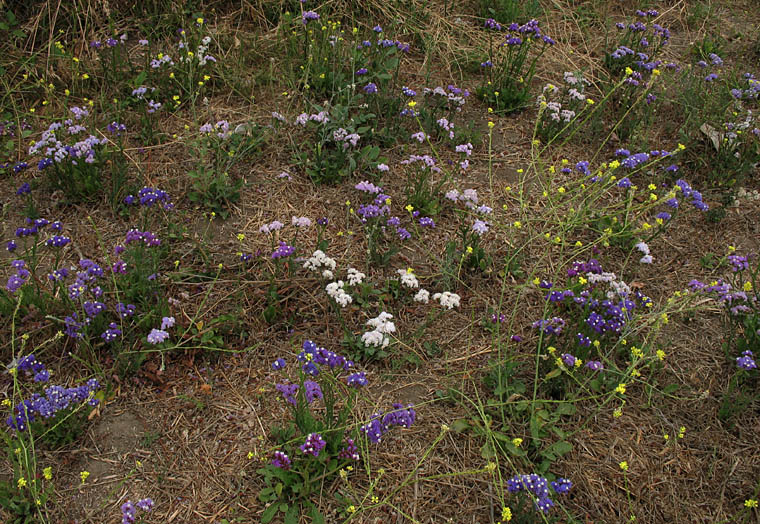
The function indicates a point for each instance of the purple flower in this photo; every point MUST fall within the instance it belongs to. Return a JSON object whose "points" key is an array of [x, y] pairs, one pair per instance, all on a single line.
{"points": [[156, 336], [313, 391], [594, 365], [288, 392], [480, 227], [370, 88], [357, 379], [280, 460], [313, 445], [112, 333], [308, 15], [278, 364], [167, 322], [24, 189], [746, 361], [349, 451], [362, 71], [568, 359], [283, 250]]}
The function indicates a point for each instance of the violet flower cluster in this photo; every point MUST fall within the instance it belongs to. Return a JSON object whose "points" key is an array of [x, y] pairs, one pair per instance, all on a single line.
{"points": [[129, 510], [538, 486], [56, 398], [381, 423]]}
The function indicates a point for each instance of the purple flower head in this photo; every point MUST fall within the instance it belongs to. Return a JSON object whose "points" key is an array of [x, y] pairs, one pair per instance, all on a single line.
{"points": [[313, 445], [594, 365], [746, 361], [357, 379], [307, 16], [283, 250], [568, 359], [157, 336], [278, 364], [280, 460]]}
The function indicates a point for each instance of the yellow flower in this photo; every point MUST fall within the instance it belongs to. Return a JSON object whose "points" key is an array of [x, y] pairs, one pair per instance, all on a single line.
{"points": [[620, 388], [628, 71], [623, 465], [560, 190], [83, 475], [750, 503], [590, 101], [375, 499], [409, 208], [517, 224], [21, 482], [666, 437], [491, 125], [578, 243], [469, 250], [506, 514], [517, 442], [351, 509], [681, 147], [491, 466], [412, 103], [747, 286], [199, 21], [6, 403], [681, 431], [250, 455], [47, 473], [660, 354], [582, 280]]}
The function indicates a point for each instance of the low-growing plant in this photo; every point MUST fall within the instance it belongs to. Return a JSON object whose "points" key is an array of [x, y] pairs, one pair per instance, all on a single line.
{"points": [[330, 444], [511, 64], [216, 150]]}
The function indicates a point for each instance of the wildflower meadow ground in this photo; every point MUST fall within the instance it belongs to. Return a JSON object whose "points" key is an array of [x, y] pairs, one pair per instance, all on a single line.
{"points": [[429, 261]]}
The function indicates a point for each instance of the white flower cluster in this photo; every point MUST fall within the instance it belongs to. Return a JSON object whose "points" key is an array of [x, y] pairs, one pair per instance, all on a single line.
{"points": [[447, 300], [355, 277], [617, 287], [336, 292], [644, 249], [383, 327], [407, 278], [318, 260], [423, 296]]}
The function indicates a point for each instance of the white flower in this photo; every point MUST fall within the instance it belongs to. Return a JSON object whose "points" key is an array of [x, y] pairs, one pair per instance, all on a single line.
{"points": [[375, 338], [355, 277], [643, 247], [301, 222], [317, 260], [423, 295], [447, 300], [646, 259], [327, 274], [382, 323], [407, 278], [336, 292]]}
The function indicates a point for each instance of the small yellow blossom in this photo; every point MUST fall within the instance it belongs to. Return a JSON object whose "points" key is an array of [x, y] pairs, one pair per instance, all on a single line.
{"points": [[506, 514], [491, 124], [681, 431], [83, 475], [351, 509], [517, 442], [517, 224], [21, 483], [47, 473], [623, 465], [620, 388], [750, 503]]}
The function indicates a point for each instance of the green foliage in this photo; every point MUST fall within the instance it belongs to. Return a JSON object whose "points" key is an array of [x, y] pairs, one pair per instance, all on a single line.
{"points": [[508, 11], [216, 151], [507, 81]]}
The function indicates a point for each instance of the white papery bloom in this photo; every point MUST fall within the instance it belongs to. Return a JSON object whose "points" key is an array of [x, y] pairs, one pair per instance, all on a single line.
{"points": [[327, 274], [423, 295], [355, 277], [375, 338], [336, 292], [407, 278], [447, 300], [317, 260]]}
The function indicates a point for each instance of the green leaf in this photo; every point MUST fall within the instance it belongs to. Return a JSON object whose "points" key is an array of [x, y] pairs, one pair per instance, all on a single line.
{"points": [[553, 373], [460, 425], [291, 516], [269, 513], [4, 26], [670, 388], [561, 447]]}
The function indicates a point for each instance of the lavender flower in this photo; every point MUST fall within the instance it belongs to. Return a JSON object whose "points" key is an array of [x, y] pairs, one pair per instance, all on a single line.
{"points": [[157, 336], [746, 361], [280, 460], [313, 445]]}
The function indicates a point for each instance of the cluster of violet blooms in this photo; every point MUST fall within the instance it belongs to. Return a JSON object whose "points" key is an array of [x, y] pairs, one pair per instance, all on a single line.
{"points": [[379, 208], [56, 398], [469, 197], [129, 510], [54, 150], [601, 317], [518, 34], [313, 360], [538, 487]]}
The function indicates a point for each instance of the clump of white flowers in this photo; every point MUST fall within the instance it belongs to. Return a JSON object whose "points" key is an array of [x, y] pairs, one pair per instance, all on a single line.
{"points": [[336, 292], [407, 278], [423, 296], [355, 277], [447, 299], [383, 327]]}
